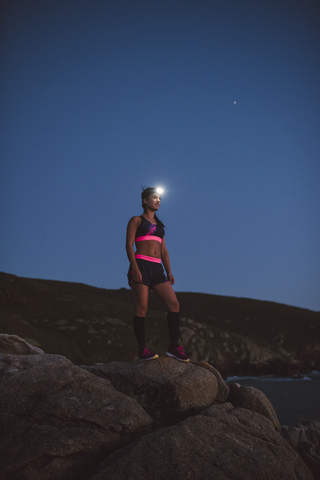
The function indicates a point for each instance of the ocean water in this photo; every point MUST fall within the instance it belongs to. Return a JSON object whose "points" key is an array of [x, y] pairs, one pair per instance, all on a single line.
{"points": [[293, 398]]}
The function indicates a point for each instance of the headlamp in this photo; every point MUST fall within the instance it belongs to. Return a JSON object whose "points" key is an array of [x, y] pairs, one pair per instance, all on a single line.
{"points": [[159, 190]]}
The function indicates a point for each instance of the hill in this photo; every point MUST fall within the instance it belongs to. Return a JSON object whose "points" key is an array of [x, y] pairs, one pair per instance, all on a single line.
{"points": [[239, 336]]}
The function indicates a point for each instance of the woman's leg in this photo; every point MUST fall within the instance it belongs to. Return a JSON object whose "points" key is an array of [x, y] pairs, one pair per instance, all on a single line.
{"points": [[141, 295], [167, 295]]}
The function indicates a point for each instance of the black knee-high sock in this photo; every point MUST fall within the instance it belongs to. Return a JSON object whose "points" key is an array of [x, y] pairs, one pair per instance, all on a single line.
{"points": [[139, 330], [173, 320]]}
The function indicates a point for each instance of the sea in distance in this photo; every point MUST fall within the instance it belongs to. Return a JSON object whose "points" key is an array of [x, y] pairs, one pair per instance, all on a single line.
{"points": [[293, 398]]}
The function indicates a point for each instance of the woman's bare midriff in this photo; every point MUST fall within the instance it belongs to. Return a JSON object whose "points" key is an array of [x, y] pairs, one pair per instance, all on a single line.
{"points": [[151, 248]]}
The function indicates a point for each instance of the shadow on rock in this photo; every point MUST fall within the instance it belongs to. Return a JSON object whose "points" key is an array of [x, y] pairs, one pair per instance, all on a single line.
{"points": [[60, 421], [168, 390], [57, 420], [222, 443]]}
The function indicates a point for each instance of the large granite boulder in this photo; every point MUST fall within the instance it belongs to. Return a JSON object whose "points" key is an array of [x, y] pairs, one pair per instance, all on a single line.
{"points": [[168, 390], [12, 344], [223, 389], [253, 399], [58, 420], [222, 443]]}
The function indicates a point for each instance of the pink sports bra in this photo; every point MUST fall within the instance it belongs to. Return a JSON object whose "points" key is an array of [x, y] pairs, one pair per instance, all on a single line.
{"points": [[149, 231]]}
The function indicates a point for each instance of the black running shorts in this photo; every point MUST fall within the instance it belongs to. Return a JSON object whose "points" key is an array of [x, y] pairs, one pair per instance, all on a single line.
{"points": [[152, 273]]}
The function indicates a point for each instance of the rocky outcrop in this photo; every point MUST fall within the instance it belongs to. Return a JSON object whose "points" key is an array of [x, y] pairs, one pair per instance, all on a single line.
{"points": [[60, 421], [222, 443], [13, 343], [304, 437], [223, 389], [253, 399], [57, 420], [168, 390], [237, 354]]}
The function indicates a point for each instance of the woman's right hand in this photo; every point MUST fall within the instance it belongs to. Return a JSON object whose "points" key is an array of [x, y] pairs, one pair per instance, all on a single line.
{"points": [[136, 275]]}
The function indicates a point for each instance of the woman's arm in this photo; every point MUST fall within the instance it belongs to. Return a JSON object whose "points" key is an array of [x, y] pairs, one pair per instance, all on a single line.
{"points": [[166, 262], [133, 224]]}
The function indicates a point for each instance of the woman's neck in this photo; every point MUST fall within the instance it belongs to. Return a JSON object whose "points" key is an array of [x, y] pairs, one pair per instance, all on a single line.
{"points": [[149, 215]]}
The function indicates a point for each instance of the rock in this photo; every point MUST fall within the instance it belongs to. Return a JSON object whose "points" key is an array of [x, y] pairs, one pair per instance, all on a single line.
{"points": [[236, 354], [303, 431], [232, 444], [58, 420], [304, 437], [11, 344], [311, 457], [253, 399], [167, 389], [223, 389]]}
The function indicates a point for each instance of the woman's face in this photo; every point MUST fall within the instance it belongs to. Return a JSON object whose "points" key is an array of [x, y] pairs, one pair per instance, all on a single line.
{"points": [[153, 201]]}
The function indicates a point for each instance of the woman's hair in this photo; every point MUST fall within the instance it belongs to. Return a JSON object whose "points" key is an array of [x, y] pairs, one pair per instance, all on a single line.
{"points": [[145, 194]]}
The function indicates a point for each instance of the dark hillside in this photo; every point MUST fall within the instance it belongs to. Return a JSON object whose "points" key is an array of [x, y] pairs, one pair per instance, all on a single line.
{"points": [[88, 325]]}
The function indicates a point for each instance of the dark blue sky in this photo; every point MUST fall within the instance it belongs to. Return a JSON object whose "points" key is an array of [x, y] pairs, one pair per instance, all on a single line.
{"points": [[217, 101]]}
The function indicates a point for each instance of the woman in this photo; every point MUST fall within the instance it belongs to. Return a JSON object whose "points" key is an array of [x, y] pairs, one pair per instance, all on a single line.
{"points": [[146, 273]]}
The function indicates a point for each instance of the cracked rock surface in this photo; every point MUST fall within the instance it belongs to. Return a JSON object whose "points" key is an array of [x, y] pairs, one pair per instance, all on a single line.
{"points": [[160, 419], [58, 420], [168, 390], [222, 444]]}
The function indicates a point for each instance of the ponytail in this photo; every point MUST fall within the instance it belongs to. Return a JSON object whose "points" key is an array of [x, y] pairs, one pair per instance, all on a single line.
{"points": [[158, 221]]}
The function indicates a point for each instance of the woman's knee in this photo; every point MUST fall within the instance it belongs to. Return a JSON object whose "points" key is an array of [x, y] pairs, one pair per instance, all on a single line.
{"points": [[174, 306], [140, 311], [141, 308]]}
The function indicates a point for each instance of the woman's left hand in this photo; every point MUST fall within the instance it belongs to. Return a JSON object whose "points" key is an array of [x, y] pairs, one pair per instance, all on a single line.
{"points": [[171, 279]]}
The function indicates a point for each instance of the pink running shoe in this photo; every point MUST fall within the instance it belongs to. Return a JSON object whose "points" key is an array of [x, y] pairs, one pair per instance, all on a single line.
{"points": [[145, 354], [178, 353]]}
